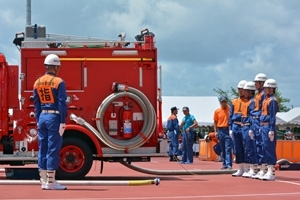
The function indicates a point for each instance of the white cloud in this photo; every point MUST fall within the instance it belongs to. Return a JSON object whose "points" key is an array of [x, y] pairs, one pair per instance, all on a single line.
{"points": [[201, 44]]}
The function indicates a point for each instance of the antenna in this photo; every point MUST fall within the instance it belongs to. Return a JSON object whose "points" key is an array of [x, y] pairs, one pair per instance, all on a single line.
{"points": [[28, 13]]}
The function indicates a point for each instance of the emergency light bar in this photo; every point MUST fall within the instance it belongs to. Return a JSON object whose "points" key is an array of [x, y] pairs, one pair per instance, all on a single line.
{"points": [[59, 53]]}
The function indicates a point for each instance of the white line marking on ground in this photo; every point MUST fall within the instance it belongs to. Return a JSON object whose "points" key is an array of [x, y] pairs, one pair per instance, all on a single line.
{"points": [[185, 197], [289, 182]]}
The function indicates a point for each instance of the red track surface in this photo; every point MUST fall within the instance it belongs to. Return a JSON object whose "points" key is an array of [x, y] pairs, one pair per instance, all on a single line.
{"points": [[287, 185]]}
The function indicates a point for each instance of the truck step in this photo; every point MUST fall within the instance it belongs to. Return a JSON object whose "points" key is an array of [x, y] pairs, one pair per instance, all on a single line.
{"points": [[22, 173]]}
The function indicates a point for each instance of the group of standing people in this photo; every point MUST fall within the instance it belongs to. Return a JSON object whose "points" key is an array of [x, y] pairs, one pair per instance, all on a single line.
{"points": [[247, 128], [187, 126]]}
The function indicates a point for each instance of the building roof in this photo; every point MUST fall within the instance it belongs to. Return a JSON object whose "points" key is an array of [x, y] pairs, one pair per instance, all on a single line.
{"points": [[290, 117], [202, 107]]}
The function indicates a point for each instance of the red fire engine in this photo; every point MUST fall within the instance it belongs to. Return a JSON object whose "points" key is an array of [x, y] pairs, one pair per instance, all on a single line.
{"points": [[114, 104]]}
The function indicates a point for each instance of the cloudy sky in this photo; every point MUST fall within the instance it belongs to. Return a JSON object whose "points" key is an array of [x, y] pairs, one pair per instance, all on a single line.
{"points": [[202, 44]]}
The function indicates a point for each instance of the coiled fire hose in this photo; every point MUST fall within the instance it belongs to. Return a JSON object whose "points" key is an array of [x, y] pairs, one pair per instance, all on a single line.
{"points": [[149, 118]]}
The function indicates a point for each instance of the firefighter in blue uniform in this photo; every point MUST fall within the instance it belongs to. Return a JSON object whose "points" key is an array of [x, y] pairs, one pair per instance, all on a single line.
{"points": [[188, 124], [173, 132], [235, 129], [247, 130], [259, 80], [51, 112], [268, 127]]}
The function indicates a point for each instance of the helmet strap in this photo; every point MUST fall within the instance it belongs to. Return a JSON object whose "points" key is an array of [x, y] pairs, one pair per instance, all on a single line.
{"points": [[56, 70]]}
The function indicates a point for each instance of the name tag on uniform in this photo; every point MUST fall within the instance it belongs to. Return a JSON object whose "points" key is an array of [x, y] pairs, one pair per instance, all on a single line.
{"points": [[45, 94]]}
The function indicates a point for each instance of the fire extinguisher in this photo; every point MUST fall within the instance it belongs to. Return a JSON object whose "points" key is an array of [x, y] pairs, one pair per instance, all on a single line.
{"points": [[127, 120]]}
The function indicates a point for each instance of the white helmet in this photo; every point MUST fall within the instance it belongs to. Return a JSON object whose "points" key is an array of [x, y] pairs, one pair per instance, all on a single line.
{"points": [[241, 84], [270, 83], [260, 77], [250, 86], [52, 59]]}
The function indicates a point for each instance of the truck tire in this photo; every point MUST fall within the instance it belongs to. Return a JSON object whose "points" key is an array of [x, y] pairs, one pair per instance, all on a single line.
{"points": [[76, 159]]}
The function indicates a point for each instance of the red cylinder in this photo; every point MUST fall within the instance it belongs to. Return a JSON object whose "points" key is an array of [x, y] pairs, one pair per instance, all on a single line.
{"points": [[127, 124]]}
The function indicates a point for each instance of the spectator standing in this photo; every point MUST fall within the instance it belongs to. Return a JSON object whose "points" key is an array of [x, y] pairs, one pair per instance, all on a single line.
{"points": [[221, 129], [188, 124], [173, 132]]}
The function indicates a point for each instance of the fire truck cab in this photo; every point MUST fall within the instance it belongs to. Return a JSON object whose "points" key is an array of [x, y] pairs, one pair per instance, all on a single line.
{"points": [[114, 101]]}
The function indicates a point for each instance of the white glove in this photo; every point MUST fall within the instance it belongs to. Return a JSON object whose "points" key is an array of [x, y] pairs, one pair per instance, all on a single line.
{"points": [[175, 132], [230, 133], [271, 136], [62, 128], [251, 134]]}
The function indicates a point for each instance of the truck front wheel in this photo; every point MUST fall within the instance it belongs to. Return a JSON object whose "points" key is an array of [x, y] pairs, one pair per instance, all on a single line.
{"points": [[76, 159]]}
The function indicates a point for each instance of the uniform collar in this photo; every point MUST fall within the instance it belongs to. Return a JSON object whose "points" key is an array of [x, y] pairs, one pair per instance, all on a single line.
{"points": [[50, 73]]}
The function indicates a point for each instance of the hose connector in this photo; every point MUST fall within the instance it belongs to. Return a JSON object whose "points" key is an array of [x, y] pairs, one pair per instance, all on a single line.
{"points": [[118, 87], [76, 119]]}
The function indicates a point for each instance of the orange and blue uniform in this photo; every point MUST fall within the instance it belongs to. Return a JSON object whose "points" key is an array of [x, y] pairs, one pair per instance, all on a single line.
{"points": [[173, 132], [247, 125], [51, 110], [221, 118], [260, 152], [270, 108], [238, 106]]}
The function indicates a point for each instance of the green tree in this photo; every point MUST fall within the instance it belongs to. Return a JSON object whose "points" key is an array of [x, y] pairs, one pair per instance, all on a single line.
{"points": [[282, 100], [230, 94], [233, 93]]}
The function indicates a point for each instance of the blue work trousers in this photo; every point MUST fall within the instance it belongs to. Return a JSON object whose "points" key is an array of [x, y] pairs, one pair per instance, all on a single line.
{"points": [[260, 151], [49, 140], [269, 146], [217, 149], [250, 146], [238, 143], [187, 146], [173, 143], [226, 146]]}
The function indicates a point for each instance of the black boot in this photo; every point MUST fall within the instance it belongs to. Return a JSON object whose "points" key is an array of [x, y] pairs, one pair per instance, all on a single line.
{"points": [[171, 158], [175, 158]]}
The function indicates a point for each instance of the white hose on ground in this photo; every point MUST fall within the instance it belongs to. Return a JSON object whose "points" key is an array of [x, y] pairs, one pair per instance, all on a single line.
{"points": [[177, 172]]}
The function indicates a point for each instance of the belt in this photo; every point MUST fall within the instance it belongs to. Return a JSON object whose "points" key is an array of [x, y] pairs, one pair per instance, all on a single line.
{"points": [[264, 123], [256, 117], [50, 111], [239, 123], [224, 127], [246, 124]]}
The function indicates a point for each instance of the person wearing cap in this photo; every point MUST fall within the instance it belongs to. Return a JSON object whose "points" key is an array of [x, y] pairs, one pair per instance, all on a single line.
{"points": [[270, 108], [288, 135], [188, 124], [259, 81], [247, 131], [235, 128], [221, 118], [50, 105], [173, 132]]}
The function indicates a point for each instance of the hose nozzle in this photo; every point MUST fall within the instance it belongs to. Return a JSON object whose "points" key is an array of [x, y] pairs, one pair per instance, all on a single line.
{"points": [[76, 119]]}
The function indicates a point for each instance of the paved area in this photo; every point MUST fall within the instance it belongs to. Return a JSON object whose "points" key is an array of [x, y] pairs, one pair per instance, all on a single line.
{"points": [[287, 185]]}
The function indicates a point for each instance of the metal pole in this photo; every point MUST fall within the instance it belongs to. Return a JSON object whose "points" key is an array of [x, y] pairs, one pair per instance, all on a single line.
{"points": [[155, 181], [28, 13]]}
